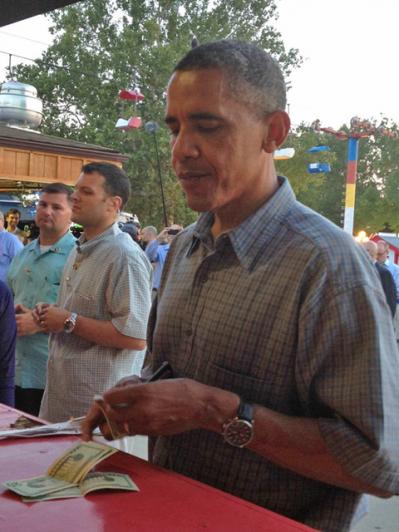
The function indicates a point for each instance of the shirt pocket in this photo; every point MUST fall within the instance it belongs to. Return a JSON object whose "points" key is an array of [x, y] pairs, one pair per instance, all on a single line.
{"points": [[5, 258], [250, 388]]}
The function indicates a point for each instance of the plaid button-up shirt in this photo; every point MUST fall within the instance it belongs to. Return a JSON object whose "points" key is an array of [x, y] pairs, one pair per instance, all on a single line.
{"points": [[287, 311]]}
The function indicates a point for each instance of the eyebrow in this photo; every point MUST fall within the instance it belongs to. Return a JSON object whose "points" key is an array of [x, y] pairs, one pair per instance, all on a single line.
{"points": [[170, 120]]}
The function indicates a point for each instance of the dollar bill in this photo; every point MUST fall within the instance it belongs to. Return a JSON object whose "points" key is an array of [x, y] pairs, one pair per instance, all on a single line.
{"points": [[66, 472], [76, 462], [100, 480], [36, 486], [94, 481], [66, 493]]}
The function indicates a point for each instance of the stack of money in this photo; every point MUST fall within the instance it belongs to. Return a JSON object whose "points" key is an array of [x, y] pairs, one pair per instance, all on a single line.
{"points": [[69, 476]]}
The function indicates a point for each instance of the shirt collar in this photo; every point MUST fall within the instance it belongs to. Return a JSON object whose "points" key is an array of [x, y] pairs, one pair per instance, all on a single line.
{"points": [[85, 246], [61, 246], [253, 234]]}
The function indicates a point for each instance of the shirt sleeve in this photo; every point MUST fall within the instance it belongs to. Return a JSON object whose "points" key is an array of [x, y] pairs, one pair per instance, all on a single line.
{"points": [[129, 294], [348, 368], [8, 334], [15, 246], [152, 251]]}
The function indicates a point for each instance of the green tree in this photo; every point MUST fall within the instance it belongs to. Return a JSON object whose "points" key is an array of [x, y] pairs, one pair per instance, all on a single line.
{"points": [[377, 185], [102, 46]]}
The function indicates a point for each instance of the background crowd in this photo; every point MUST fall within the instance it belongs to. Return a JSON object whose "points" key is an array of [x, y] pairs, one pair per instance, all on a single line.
{"points": [[32, 261]]}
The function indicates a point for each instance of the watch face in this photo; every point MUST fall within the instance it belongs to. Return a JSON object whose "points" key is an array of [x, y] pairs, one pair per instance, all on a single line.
{"points": [[238, 432], [68, 325]]}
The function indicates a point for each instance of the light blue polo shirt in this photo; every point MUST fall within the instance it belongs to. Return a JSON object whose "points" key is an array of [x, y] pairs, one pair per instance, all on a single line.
{"points": [[35, 277]]}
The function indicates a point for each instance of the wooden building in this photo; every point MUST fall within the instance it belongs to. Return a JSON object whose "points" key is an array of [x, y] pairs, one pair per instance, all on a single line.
{"points": [[29, 159]]}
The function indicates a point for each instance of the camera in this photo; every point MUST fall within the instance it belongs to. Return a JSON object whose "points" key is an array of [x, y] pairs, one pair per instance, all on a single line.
{"points": [[173, 231]]}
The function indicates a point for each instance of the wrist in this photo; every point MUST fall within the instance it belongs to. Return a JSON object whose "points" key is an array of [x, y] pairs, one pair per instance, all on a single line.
{"points": [[218, 406], [70, 322]]}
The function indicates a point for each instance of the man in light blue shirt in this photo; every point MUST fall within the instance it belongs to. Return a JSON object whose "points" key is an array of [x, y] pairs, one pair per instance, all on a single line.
{"points": [[34, 276], [10, 245], [157, 251]]}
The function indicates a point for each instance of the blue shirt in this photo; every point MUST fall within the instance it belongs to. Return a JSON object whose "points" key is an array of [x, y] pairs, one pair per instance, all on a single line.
{"points": [[8, 334], [10, 245], [35, 276], [156, 254]]}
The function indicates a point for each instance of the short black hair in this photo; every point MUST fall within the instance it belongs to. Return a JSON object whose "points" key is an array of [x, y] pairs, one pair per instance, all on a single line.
{"points": [[254, 77], [131, 229], [12, 211], [117, 182], [57, 188]]}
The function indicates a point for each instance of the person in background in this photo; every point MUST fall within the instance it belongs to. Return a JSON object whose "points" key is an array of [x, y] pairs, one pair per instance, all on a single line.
{"points": [[98, 326], [131, 229], [10, 245], [34, 276], [157, 251], [387, 282], [285, 388], [8, 334], [148, 234], [382, 257], [13, 217]]}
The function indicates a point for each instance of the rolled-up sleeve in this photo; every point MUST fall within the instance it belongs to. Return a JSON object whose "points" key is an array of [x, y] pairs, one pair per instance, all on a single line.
{"points": [[348, 375]]}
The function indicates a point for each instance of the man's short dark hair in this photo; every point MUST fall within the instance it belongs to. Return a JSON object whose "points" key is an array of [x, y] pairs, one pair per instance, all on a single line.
{"points": [[12, 211], [116, 181], [254, 77], [57, 188]]}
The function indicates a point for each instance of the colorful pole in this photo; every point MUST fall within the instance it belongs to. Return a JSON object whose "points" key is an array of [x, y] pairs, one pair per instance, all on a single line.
{"points": [[351, 171]]}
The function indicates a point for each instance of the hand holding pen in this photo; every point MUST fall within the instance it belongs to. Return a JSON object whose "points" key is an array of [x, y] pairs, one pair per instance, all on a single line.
{"points": [[113, 430]]}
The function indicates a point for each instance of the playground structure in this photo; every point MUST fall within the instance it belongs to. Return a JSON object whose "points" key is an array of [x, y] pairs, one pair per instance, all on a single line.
{"points": [[358, 129]]}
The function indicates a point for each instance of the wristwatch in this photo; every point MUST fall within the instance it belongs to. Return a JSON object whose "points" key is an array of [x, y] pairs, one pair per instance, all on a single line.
{"points": [[239, 431], [70, 322]]}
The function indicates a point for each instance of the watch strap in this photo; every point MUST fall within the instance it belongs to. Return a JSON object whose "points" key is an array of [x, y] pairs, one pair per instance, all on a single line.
{"points": [[245, 411]]}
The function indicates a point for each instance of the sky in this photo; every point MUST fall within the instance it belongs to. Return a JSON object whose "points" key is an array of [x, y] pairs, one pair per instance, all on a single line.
{"points": [[349, 49]]}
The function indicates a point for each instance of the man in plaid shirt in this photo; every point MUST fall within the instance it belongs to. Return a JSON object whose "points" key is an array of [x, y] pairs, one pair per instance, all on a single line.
{"points": [[276, 328]]}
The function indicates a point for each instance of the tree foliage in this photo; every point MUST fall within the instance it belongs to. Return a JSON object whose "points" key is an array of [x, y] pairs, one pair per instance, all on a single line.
{"points": [[102, 46], [377, 188]]}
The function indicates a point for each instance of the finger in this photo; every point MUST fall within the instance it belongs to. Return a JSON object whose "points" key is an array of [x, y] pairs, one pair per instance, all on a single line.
{"points": [[106, 431], [129, 381], [93, 419], [36, 316], [121, 397]]}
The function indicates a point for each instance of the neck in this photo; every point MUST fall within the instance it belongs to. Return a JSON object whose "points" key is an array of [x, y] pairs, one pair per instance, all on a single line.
{"points": [[48, 238], [233, 214], [92, 232]]}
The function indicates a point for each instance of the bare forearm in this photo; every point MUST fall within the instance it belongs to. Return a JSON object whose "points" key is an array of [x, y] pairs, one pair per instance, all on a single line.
{"points": [[105, 333], [294, 443]]}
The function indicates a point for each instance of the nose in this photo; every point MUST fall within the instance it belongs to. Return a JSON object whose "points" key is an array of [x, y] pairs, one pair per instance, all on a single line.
{"points": [[184, 146]]}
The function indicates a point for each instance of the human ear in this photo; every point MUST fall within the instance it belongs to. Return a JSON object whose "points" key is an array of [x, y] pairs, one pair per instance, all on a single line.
{"points": [[116, 203], [278, 125]]}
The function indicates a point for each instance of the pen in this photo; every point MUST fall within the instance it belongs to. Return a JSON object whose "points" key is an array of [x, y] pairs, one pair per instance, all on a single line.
{"points": [[164, 368], [162, 371]]}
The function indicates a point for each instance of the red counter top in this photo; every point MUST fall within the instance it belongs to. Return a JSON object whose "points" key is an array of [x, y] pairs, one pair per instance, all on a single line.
{"points": [[166, 502]]}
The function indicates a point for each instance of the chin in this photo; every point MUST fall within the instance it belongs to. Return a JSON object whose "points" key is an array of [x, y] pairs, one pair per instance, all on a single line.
{"points": [[199, 204]]}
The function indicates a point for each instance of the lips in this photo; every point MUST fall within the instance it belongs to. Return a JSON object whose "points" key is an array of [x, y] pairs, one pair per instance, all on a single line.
{"points": [[191, 175]]}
